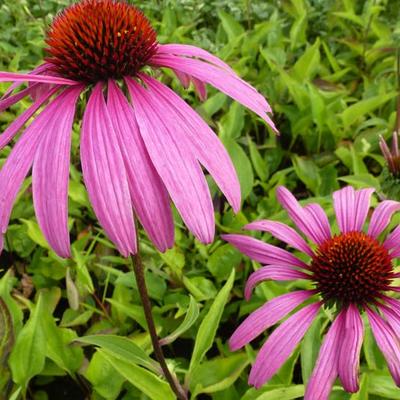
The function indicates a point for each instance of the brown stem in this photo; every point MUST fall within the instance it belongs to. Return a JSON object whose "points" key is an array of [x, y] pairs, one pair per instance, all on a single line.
{"points": [[141, 284]]}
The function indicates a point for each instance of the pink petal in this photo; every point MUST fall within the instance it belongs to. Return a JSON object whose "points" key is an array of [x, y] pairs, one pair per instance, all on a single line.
{"points": [[282, 232], [38, 70], [50, 174], [272, 272], [351, 208], [266, 316], [281, 344], [305, 220], [263, 252], [184, 79], [193, 51], [15, 98], [220, 78], [174, 159], [349, 359], [381, 217], [20, 160], [393, 239], [21, 120], [105, 175], [387, 342], [13, 77], [393, 319], [362, 205], [201, 89], [320, 220], [149, 196], [326, 369], [204, 143], [393, 303], [343, 202]]}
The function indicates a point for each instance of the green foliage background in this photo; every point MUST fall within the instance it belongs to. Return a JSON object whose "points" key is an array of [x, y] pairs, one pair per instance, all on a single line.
{"points": [[328, 68]]}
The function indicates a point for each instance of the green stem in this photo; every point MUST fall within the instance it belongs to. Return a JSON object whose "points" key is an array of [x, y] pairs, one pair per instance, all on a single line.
{"points": [[141, 284]]}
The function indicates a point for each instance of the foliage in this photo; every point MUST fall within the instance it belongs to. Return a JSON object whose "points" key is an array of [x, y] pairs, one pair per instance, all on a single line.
{"points": [[70, 328]]}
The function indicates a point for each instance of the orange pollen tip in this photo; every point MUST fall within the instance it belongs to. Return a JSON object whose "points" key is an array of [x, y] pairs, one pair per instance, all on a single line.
{"points": [[352, 268], [96, 40]]}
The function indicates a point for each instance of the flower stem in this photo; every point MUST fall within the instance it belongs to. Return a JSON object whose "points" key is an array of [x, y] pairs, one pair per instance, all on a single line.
{"points": [[141, 284]]}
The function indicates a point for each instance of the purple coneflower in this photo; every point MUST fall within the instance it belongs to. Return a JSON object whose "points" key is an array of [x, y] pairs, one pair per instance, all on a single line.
{"points": [[351, 272], [392, 157], [141, 143]]}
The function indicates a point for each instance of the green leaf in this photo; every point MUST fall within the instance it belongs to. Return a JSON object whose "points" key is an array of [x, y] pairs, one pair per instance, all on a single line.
{"points": [[233, 122], [209, 325], [122, 348], [223, 260], [148, 383], [231, 27], [354, 112], [259, 164], [307, 171], [191, 316], [362, 394], [307, 65], [361, 180], [381, 384], [35, 233], [281, 393], [28, 355], [105, 380], [218, 374], [309, 349], [6, 342], [242, 165]]}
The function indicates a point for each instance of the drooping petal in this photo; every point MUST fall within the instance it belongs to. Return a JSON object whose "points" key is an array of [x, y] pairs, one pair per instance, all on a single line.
{"points": [[149, 196], [326, 369], [381, 217], [272, 272], [14, 77], [304, 220], [186, 50], [220, 78], [263, 252], [343, 203], [21, 120], [184, 79], [201, 89], [15, 98], [387, 342], [175, 162], [266, 316], [38, 70], [204, 143], [20, 160], [392, 317], [282, 232], [50, 175], [393, 240], [105, 175], [351, 342], [281, 344], [393, 303]]}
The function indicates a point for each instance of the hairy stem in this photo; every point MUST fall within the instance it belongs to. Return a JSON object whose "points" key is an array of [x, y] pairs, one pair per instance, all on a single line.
{"points": [[141, 284]]}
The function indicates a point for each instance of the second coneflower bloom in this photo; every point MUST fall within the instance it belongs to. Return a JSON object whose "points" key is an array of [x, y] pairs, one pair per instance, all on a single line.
{"points": [[351, 272], [141, 144]]}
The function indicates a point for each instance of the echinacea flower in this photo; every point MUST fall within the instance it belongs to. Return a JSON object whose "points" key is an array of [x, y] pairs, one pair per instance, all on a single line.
{"points": [[351, 274], [392, 156], [141, 144]]}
